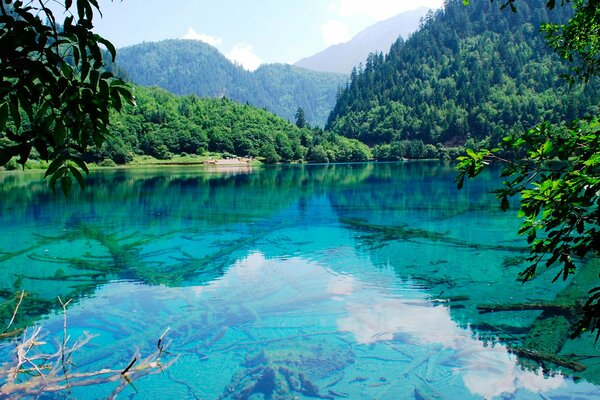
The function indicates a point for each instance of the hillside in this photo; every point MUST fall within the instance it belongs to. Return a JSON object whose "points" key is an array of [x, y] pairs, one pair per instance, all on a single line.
{"points": [[343, 57], [470, 75], [163, 125], [192, 67]]}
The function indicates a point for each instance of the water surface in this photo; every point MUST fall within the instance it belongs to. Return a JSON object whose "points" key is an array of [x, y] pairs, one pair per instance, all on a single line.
{"points": [[341, 281]]}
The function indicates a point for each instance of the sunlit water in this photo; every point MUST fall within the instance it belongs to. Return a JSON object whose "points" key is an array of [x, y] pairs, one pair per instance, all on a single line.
{"points": [[342, 281]]}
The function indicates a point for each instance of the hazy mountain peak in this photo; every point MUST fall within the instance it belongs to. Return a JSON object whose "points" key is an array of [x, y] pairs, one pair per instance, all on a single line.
{"points": [[195, 67], [376, 38]]}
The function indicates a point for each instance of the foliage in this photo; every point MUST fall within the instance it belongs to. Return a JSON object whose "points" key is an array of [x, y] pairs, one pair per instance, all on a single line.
{"points": [[329, 147], [471, 74], [556, 172], [558, 181], [55, 95], [191, 67], [163, 125], [579, 39], [300, 118]]}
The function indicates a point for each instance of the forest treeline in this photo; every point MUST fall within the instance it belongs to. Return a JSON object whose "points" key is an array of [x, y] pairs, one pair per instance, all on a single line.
{"points": [[469, 76], [192, 67], [163, 125]]}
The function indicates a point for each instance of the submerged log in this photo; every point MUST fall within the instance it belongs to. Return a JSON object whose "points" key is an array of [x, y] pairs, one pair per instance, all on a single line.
{"points": [[553, 327], [556, 308], [376, 235], [544, 357]]}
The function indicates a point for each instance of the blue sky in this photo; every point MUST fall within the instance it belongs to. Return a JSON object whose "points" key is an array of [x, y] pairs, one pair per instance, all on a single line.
{"points": [[249, 32]]}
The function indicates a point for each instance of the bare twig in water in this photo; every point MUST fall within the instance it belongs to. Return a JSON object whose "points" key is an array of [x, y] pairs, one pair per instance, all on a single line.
{"points": [[30, 372], [65, 340], [14, 312]]}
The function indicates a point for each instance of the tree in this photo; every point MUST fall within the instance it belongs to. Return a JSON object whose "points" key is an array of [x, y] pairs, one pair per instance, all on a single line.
{"points": [[556, 170], [300, 119], [55, 92]]}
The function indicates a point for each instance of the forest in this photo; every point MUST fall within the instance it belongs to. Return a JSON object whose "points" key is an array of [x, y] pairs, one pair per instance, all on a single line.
{"points": [[470, 76], [467, 78], [163, 125], [191, 67]]}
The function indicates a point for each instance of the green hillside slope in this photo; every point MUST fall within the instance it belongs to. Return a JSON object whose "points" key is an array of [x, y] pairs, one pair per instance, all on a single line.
{"points": [[192, 67], [470, 75]]}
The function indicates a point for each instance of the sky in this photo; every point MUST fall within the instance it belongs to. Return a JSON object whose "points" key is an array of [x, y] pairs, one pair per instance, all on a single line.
{"points": [[249, 32]]}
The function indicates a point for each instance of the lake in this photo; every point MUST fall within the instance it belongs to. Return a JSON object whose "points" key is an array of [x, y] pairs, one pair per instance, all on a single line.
{"points": [[358, 281]]}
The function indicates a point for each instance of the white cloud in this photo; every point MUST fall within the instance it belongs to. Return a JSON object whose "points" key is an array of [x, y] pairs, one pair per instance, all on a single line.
{"points": [[335, 32], [379, 9], [193, 35], [243, 54]]}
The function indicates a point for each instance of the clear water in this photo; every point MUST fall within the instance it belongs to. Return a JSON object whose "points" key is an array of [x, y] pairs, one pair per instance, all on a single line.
{"points": [[341, 281]]}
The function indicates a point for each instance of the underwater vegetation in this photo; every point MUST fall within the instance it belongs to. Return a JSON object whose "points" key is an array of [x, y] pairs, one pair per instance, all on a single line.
{"points": [[293, 282]]}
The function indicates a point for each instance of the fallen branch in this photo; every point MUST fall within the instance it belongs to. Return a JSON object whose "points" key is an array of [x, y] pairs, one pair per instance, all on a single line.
{"points": [[551, 358], [32, 373], [559, 308], [14, 312]]}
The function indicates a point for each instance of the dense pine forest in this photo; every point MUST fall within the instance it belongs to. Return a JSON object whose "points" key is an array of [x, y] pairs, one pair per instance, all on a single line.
{"points": [[191, 67], [470, 76]]}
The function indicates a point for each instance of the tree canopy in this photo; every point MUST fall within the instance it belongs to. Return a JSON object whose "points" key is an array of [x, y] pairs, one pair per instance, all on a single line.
{"points": [[188, 67], [55, 94], [163, 125], [469, 76]]}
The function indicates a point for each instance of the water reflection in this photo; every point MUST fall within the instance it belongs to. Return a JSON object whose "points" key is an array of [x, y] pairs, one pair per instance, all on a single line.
{"points": [[292, 314], [356, 281], [486, 370]]}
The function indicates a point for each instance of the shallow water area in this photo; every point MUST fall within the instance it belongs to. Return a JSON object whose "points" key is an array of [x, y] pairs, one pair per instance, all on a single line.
{"points": [[335, 281]]}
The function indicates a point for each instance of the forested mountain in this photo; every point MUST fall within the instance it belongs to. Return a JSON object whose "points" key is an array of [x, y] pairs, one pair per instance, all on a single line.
{"points": [[471, 74], [376, 38], [163, 125], [193, 67]]}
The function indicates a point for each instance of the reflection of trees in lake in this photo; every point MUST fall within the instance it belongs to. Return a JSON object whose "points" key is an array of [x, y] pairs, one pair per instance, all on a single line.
{"points": [[465, 253], [116, 229]]}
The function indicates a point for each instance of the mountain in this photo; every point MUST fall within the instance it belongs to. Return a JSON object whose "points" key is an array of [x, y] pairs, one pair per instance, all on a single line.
{"points": [[471, 74], [192, 67], [343, 57]]}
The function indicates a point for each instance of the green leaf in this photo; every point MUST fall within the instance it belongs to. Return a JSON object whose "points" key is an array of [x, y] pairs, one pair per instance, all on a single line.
{"points": [[3, 115], [55, 165], [14, 111], [94, 77], [109, 46], [24, 152], [66, 182], [60, 133], [42, 147], [81, 9], [56, 176], [116, 100], [81, 164], [7, 153], [77, 174], [504, 204]]}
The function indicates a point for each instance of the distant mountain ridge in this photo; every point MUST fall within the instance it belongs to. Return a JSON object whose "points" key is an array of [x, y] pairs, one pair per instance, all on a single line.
{"points": [[192, 67], [341, 58]]}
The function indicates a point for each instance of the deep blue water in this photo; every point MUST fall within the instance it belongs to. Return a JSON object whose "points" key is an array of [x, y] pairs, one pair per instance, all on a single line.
{"points": [[341, 281]]}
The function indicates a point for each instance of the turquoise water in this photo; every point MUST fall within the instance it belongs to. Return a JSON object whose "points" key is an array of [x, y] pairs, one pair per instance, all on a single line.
{"points": [[341, 281]]}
